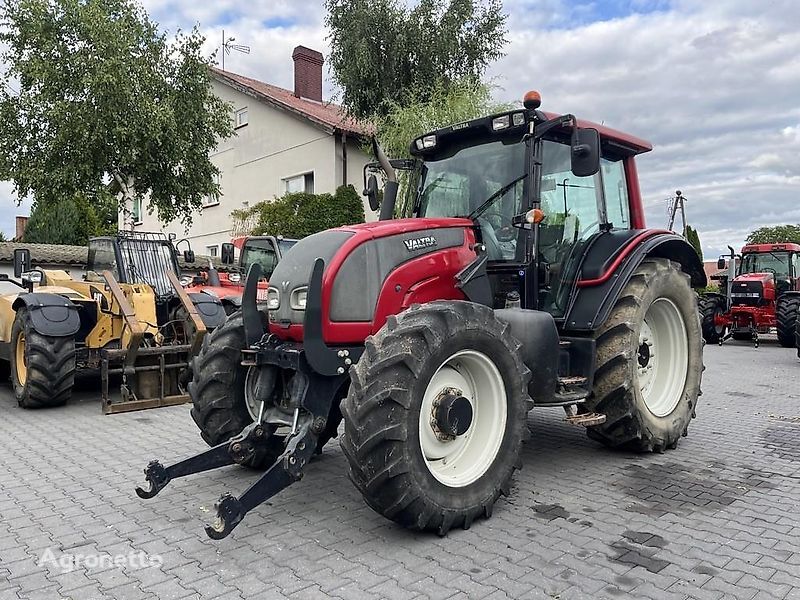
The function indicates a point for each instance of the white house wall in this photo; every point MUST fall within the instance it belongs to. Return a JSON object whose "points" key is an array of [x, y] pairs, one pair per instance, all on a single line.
{"points": [[273, 146]]}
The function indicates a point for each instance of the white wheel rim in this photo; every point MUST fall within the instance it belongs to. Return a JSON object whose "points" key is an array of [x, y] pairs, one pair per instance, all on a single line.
{"points": [[460, 461], [662, 357]]}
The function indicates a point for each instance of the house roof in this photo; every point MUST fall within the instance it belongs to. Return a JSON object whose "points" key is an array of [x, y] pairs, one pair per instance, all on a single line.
{"points": [[75, 256], [328, 116]]}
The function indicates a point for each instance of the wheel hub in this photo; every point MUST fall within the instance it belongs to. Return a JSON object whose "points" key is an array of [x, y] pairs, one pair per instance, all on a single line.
{"points": [[451, 415], [644, 355]]}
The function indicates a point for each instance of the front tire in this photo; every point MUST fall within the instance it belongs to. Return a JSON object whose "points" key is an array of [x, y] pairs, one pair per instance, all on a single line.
{"points": [[786, 319], [42, 367], [436, 416], [649, 361], [217, 389], [711, 307]]}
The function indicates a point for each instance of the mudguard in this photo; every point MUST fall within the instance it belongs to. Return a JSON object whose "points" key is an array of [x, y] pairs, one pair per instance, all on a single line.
{"points": [[51, 315], [209, 308], [536, 331], [604, 274]]}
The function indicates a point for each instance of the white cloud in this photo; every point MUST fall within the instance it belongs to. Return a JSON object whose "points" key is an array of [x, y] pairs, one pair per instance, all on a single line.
{"points": [[714, 86]]}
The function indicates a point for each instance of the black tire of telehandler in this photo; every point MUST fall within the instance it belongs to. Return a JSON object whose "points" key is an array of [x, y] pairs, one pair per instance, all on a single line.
{"points": [[797, 336], [382, 412], [786, 319], [709, 307], [630, 424], [217, 391], [49, 365]]}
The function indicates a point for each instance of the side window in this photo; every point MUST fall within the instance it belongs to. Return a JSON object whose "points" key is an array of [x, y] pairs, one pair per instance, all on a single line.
{"points": [[617, 207], [101, 257]]}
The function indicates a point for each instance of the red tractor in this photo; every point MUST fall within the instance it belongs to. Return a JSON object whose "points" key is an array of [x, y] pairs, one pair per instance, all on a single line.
{"points": [[760, 292], [265, 250], [522, 276]]}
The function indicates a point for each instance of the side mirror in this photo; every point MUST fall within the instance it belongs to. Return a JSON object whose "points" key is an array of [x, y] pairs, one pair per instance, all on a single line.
{"points": [[22, 261], [188, 256], [172, 237], [585, 151], [722, 264], [227, 254], [371, 192]]}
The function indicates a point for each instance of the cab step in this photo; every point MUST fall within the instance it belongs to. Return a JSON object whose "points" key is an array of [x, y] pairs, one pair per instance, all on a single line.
{"points": [[586, 419], [571, 390]]}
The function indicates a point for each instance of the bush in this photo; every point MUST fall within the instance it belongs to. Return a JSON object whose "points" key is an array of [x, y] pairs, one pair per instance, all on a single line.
{"points": [[301, 214]]}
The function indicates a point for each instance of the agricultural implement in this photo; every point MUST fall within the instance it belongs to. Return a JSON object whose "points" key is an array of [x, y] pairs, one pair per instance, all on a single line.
{"points": [[129, 318], [522, 277], [759, 293]]}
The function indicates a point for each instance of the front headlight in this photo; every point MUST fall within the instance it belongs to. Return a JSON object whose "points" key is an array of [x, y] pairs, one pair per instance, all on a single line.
{"points": [[299, 296], [273, 299]]}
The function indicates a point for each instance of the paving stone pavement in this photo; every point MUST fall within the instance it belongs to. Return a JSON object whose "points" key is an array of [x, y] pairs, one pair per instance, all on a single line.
{"points": [[717, 518]]}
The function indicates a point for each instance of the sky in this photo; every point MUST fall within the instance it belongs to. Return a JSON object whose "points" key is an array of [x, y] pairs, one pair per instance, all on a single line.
{"points": [[715, 86]]}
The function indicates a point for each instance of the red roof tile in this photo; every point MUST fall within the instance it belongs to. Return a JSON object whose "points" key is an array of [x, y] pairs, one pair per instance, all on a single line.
{"points": [[329, 116]]}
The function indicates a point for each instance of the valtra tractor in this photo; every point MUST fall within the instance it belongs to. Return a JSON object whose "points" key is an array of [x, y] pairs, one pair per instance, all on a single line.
{"points": [[128, 316], [760, 292], [266, 250], [523, 276]]}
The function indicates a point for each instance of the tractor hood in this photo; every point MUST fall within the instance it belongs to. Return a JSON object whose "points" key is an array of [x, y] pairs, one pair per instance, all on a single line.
{"points": [[762, 277], [358, 259]]}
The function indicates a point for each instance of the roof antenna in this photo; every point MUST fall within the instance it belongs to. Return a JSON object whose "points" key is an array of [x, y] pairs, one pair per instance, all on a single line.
{"points": [[228, 45]]}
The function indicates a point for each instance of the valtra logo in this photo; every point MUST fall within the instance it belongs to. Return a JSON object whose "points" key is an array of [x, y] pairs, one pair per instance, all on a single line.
{"points": [[419, 243]]}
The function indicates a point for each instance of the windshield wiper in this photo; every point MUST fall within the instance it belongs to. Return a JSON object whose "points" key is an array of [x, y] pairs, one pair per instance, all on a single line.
{"points": [[501, 192]]}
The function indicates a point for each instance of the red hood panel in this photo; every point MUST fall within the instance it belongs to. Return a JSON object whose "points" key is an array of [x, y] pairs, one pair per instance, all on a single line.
{"points": [[763, 277], [377, 229]]}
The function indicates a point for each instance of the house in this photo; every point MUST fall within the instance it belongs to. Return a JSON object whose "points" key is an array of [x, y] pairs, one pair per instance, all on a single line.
{"points": [[285, 141]]}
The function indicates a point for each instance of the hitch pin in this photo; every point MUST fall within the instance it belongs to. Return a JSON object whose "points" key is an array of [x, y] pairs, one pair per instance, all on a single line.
{"points": [[294, 421]]}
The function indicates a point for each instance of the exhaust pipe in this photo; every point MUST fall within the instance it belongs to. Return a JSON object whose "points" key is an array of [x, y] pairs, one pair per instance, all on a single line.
{"points": [[390, 187]]}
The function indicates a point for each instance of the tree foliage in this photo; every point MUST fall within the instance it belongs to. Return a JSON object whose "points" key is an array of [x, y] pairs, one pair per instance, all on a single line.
{"points": [[384, 52], [299, 215], [71, 220], [775, 235], [691, 236], [93, 92]]}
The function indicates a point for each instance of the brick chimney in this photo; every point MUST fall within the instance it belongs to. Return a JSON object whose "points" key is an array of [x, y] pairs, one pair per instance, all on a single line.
{"points": [[21, 222], [307, 73]]}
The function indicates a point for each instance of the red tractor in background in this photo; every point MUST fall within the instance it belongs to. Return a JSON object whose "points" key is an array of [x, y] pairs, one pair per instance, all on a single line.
{"points": [[760, 292], [521, 275], [228, 286]]}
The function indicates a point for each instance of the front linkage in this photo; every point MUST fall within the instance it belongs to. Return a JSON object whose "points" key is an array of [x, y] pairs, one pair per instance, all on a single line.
{"points": [[319, 372]]}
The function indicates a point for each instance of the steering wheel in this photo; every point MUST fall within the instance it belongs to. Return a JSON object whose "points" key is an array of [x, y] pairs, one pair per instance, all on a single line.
{"points": [[770, 270]]}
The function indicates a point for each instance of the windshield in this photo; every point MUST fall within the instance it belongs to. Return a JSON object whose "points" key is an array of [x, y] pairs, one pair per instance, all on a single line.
{"points": [[456, 185], [768, 262], [145, 261], [263, 253]]}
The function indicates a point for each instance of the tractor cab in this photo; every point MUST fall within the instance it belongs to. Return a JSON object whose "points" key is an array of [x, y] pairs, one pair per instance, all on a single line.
{"points": [[768, 268], [570, 180]]}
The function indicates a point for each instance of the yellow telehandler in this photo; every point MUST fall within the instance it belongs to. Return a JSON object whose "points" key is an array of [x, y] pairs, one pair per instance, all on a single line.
{"points": [[129, 316]]}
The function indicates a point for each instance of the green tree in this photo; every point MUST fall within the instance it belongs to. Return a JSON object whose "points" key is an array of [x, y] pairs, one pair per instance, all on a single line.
{"points": [[299, 215], [71, 220], [93, 93], [694, 239], [384, 52], [775, 235]]}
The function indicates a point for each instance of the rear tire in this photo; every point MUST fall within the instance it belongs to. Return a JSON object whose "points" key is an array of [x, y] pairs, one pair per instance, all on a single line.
{"points": [[431, 354], [710, 307], [648, 392], [42, 367], [786, 319], [217, 389]]}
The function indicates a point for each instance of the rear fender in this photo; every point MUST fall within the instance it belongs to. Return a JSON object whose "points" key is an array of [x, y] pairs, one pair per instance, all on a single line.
{"points": [[594, 297], [209, 308], [51, 315]]}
